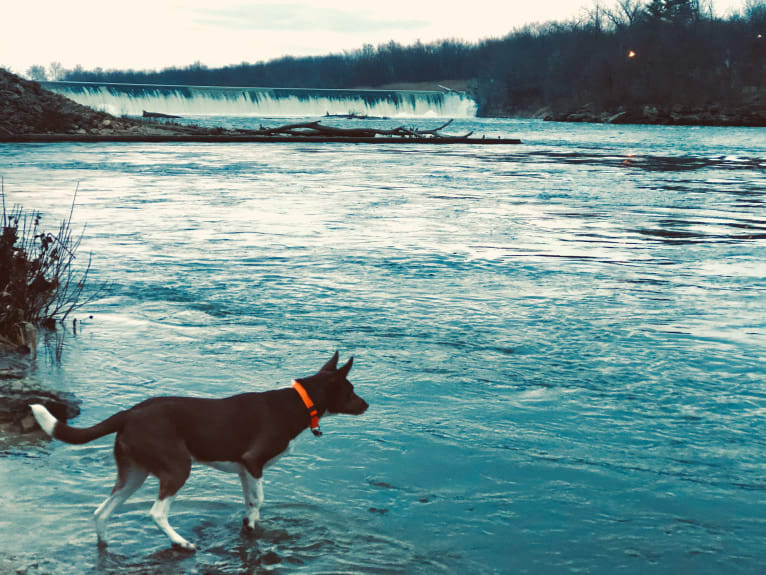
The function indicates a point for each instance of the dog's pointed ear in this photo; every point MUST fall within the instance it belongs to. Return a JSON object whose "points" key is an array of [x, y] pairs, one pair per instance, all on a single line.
{"points": [[346, 368], [331, 365]]}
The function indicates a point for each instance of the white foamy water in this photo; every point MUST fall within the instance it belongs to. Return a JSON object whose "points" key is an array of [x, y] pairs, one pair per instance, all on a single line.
{"points": [[134, 99]]}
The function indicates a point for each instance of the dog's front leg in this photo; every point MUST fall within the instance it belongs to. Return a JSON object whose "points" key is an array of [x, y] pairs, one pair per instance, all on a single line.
{"points": [[252, 488]]}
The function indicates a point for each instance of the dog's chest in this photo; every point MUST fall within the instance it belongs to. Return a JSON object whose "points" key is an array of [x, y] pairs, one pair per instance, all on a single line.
{"points": [[235, 467], [276, 458]]}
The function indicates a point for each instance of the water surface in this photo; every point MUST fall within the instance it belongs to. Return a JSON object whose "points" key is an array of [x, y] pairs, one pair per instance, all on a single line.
{"points": [[562, 344]]}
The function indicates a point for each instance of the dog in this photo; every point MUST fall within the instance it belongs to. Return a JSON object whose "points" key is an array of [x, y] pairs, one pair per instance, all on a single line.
{"points": [[241, 434]]}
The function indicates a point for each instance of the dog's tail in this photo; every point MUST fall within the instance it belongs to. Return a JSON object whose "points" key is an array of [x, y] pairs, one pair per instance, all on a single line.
{"points": [[77, 435]]}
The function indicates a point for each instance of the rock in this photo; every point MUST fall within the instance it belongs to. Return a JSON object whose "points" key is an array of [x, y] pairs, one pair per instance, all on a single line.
{"points": [[10, 373], [13, 366], [28, 423], [15, 402]]}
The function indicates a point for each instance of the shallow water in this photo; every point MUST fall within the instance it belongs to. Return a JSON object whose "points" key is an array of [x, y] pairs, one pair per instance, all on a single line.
{"points": [[562, 344]]}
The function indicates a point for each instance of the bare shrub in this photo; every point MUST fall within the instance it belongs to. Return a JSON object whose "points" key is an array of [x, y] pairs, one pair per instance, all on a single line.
{"points": [[41, 281]]}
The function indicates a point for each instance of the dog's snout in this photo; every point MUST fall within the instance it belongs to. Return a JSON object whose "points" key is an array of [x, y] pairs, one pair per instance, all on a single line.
{"points": [[357, 406]]}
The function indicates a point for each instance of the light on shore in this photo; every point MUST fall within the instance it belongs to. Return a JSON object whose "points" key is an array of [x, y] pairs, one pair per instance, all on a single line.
{"points": [[631, 54]]}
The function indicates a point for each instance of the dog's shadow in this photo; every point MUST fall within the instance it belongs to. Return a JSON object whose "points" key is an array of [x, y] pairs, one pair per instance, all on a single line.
{"points": [[170, 561], [253, 548], [278, 540]]}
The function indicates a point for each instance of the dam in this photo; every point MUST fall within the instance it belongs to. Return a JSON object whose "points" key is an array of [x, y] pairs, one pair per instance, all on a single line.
{"points": [[134, 99]]}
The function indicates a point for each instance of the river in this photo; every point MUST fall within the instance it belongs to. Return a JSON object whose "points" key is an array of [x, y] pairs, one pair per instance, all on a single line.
{"points": [[562, 344]]}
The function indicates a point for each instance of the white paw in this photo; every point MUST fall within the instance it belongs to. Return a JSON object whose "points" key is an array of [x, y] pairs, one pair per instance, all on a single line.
{"points": [[185, 545]]}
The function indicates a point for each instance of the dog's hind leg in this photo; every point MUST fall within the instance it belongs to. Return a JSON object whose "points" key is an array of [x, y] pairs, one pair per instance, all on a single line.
{"points": [[159, 513], [252, 489], [171, 480], [129, 478], [122, 490]]}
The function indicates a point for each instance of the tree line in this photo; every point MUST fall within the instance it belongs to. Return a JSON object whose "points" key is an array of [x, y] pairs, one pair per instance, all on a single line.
{"points": [[632, 53]]}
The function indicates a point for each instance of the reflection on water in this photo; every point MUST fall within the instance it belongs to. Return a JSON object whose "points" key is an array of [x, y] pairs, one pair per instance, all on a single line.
{"points": [[561, 342]]}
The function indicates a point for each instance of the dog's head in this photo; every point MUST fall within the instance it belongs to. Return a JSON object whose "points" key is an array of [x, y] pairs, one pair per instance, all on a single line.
{"points": [[339, 391]]}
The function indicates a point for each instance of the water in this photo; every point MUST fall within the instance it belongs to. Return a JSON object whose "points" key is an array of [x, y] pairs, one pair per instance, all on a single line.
{"points": [[134, 99], [561, 342]]}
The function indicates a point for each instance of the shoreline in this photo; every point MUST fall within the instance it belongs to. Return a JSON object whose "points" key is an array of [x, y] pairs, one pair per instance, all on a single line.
{"points": [[623, 118], [753, 116]]}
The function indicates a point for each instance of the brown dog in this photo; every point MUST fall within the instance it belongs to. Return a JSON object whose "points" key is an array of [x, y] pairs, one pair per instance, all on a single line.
{"points": [[241, 434]]}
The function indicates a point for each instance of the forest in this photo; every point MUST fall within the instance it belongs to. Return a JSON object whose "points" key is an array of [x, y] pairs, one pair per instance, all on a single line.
{"points": [[666, 54]]}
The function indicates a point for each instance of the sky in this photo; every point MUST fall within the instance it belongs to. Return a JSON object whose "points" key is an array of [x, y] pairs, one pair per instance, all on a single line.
{"points": [[153, 34]]}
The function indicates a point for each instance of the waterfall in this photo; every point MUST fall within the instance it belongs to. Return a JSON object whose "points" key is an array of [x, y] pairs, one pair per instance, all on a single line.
{"points": [[133, 99]]}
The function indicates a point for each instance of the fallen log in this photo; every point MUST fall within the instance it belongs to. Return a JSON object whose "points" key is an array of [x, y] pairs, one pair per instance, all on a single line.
{"points": [[158, 115], [316, 128]]}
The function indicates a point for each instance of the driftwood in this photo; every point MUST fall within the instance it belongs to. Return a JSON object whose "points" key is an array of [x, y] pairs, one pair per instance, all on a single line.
{"points": [[313, 132], [316, 129]]}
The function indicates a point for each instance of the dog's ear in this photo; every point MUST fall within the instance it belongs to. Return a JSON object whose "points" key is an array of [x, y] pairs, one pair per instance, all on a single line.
{"points": [[346, 368], [331, 365]]}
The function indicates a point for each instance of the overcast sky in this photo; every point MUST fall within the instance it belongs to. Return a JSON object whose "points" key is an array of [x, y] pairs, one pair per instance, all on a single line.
{"points": [[152, 34]]}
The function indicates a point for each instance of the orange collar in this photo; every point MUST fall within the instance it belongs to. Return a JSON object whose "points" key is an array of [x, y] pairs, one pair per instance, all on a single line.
{"points": [[313, 413]]}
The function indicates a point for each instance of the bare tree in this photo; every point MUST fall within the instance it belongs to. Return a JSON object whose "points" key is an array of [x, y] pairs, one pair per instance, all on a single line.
{"points": [[755, 11], [625, 13], [706, 9], [37, 73], [595, 17], [55, 71]]}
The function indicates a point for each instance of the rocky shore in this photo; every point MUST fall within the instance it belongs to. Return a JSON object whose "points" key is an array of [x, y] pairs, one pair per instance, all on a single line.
{"points": [[18, 389], [751, 113], [28, 110]]}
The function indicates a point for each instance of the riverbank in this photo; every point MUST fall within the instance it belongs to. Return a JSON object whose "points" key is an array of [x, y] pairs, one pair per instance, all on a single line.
{"points": [[748, 111], [741, 116]]}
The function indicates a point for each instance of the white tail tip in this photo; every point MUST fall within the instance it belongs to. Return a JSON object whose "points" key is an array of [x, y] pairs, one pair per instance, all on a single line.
{"points": [[44, 418]]}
